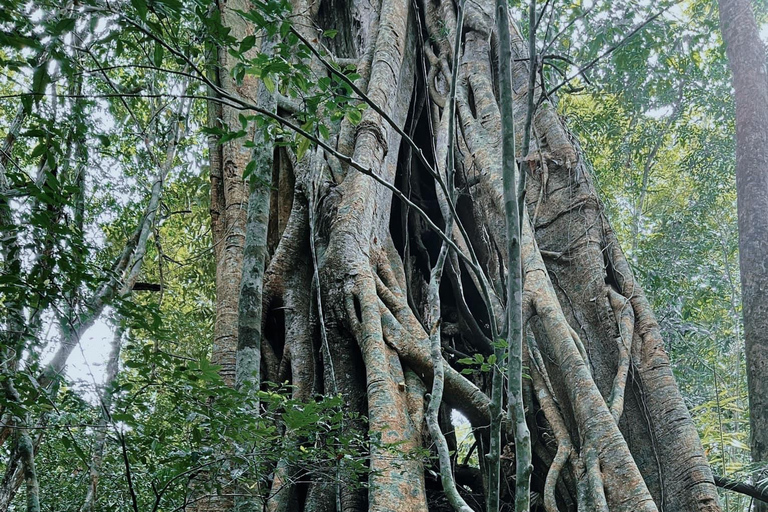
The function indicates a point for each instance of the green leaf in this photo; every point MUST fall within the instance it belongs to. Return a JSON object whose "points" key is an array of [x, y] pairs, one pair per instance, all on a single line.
{"points": [[18, 41], [157, 57], [285, 29], [269, 84], [238, 74], [303, 146], [39, 150], [247, 43], [141, 8], [81, 454], [228, 136], [171, 7], [63, 25], [249, 170], [354, 116], [123, 417], [26, 102], [40, 81]]}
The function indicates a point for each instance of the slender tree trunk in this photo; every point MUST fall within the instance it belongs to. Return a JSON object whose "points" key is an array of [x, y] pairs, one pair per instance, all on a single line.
{"points": [[746, 55], [229, 194], [514, 195], [239, 221]]}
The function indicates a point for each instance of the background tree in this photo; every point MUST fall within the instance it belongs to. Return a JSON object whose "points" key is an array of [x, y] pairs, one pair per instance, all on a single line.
{"points": [[746, 55]]}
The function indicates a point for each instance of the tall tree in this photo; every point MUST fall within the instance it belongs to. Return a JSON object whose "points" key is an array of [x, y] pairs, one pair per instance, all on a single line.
{"points": [[747, 58], [360, 201]]}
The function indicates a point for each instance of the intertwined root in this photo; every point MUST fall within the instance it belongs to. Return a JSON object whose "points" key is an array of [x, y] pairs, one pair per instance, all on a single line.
{"points": [[354, 309]]}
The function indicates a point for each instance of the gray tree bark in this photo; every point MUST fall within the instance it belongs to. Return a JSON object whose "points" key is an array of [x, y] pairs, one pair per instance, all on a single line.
{"points": [[746, 56]]}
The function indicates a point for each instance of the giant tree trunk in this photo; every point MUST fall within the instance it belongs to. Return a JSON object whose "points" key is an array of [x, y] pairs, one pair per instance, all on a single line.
{"points": [[746, 55], [613, 424]]}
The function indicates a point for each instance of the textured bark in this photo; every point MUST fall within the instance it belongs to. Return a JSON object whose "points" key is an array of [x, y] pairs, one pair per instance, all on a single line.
{"points": [[352, 308], [572, 231], [746, 55], [514, 194], [248, 368], [26, 451], [239, 220], [229, 194], [356, 243]]}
